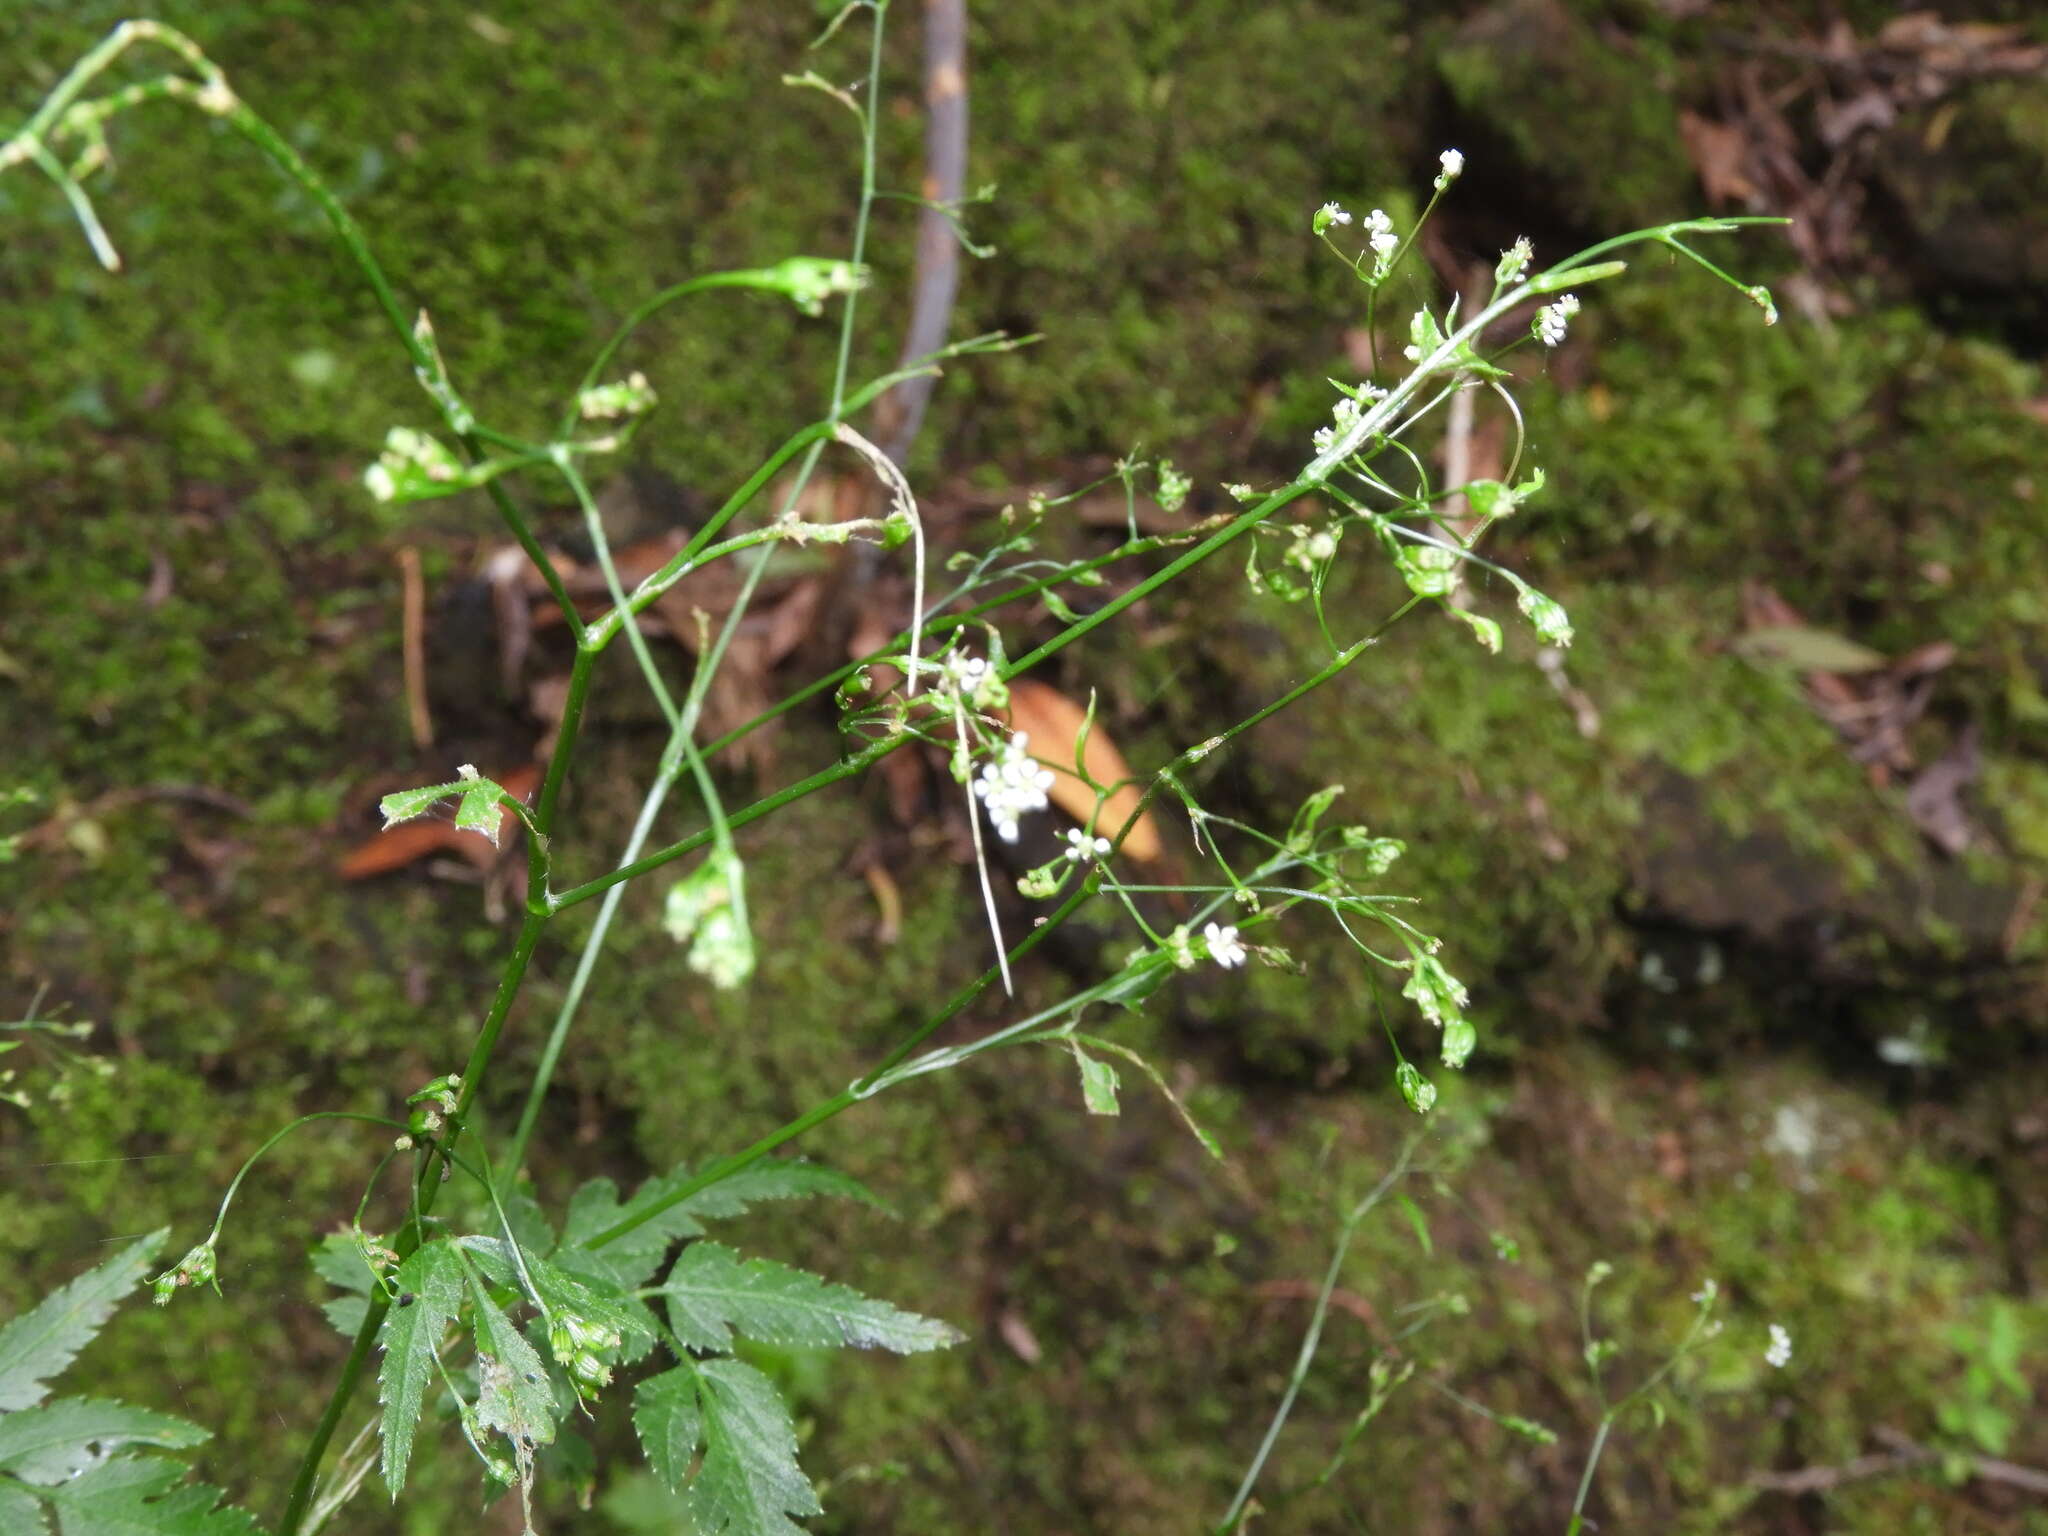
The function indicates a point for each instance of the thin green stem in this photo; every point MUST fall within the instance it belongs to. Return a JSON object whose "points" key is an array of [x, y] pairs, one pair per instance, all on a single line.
{"points": [[1312, 1339], [1578, 1522], [255, 1157]]}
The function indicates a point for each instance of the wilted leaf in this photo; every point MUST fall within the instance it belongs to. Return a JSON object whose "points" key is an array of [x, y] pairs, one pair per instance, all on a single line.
{"points": [[1803, 649], [1098, 1083]]}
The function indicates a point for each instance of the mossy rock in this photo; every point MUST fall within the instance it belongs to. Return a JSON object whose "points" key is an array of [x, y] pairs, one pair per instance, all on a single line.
{"points": [[1583, 117], [1966, 177]]}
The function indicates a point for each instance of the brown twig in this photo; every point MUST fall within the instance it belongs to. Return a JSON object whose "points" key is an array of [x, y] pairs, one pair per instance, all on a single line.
{"points": [[47, 834], [415, 647], [937, 275], [1904, 1453], [1308, 1290]]}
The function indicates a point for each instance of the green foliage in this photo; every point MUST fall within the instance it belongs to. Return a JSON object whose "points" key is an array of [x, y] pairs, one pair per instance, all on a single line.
{"points": [[43, 1341], [75, 1456], [428, 1293], [748, 1483], [577, 1290], [712, 1293]]}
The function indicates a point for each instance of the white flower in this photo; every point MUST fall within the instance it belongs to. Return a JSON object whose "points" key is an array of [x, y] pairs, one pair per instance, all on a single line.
{"points": [[1706, 1293], [1551, 319], [1514, 261], [1779, 1354], [1081, 848], [632, 397], [966, 673], [1330, 214], [1012, 785], [1453, 163], [1224, 947], [1379, 234]]}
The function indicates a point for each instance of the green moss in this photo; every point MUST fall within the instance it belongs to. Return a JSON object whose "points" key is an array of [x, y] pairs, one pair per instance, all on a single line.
{"points": [[1593, 122], [206, 415]]}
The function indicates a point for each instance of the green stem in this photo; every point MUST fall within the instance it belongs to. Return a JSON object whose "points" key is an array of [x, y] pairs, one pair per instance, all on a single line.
{"points": [[242, 1173], [1312, 1340], [1586, 1478]]}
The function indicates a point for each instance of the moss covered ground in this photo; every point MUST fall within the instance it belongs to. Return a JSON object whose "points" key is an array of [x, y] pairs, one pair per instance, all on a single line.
{"points": [[1737, 1019]]}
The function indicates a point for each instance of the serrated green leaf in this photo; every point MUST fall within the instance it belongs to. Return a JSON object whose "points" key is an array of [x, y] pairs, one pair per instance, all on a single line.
{"points": [[144, 1496], [670, 1424], [1098, 1083], [42, 1341], [517, 1399], [530, 1225], [477, 810], [790, 1179], [339, 1262], [405, 804], [749, 1483], [346, 1314], [58, 1440], [410, 1335], [712, 1293], [632, 1259]]}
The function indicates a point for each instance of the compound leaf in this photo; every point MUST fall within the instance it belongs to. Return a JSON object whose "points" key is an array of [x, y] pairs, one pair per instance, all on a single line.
{"points": [[58, 1440], [749, 1483], [669, 1423], [517, 1399], [143, 1496], [712, 1293], [411, 1334], [42, 1341]]}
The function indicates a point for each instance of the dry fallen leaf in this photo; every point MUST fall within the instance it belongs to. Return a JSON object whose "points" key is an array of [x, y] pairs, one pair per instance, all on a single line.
{"points": [[1053, 722]]}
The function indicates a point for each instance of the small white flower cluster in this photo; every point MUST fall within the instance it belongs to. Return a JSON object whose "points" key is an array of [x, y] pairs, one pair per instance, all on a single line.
{"points": [[1345, 415], [1513, 266], [978, 684], [1705, 1295], [1379, 234], [631, 396], [1083, 849], [1328, 214], [1453, 163], [1779, 1355], [1311, 547], [1012, 785], [1225, 948], [1552, 318], [811, 280], [966, 673], [411, 464]]}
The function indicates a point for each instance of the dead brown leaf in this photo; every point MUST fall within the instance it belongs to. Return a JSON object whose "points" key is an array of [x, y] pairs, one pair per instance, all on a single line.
{"points": [[1054, 723], [1720, 153]]}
